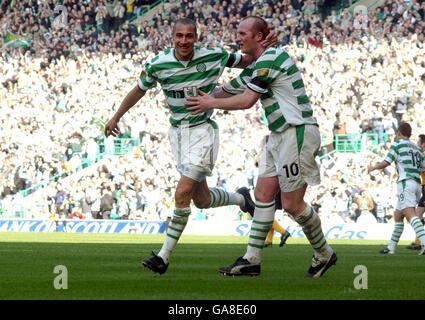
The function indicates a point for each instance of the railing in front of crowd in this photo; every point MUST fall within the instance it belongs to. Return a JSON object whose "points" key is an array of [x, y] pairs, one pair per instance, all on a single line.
{"points": [[357, 142], [118, 147]]}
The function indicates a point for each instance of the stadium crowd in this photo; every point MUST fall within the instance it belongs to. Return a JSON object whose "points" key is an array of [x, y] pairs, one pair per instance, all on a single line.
{"points": [[363, 73]]}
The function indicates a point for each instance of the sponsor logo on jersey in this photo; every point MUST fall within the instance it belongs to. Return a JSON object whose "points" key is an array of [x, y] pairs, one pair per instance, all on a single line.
{"points": [[263, 73]]}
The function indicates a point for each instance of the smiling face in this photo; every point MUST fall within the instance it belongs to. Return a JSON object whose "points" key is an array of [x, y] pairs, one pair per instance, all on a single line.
{"points": [[184, 38]]}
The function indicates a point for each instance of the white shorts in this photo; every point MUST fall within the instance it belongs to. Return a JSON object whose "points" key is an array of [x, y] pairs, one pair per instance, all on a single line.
{"points": [[408, 192], [195, 149], [291, 156]]}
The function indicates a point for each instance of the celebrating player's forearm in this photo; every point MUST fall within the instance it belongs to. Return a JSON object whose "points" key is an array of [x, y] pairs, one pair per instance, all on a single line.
{"points": [[220, 93], [111, 128], [379, 166], [204, 102], [129, 101]]}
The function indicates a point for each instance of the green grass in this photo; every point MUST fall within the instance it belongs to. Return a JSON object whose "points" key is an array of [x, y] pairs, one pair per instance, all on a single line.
{"points": [[108, 267]]}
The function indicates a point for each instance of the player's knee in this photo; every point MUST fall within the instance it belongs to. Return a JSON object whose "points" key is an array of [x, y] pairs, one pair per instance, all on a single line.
{"points": [[292, 206], [182, 197], [202, 203], [263, 195]]}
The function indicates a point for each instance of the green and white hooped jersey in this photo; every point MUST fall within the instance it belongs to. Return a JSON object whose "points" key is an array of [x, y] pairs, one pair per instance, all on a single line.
{"points": [[278, 79], [408, 158], [177, 78]]}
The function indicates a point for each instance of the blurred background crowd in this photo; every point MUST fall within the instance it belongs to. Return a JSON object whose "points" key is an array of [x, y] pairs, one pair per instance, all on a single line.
{"points": [[61, 75]]}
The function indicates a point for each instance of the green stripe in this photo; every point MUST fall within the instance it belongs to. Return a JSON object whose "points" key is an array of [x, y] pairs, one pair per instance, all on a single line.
{"points": [[318, 227], [146, 83], [302, 100], [309, 216], [403, 145], [171, 236], [315, 243], [190, 120], [264, 206], [260, 230], [218, 197], [307, 114], [272, 108], [191, 77], [213, 196], [266, 65], [390, 156], [298, 84], [178, 222], [269, 52], [208, 58], [234, 83], [262, 222], [410, 170], [246, 73], [277, 123], [324, 242], [209, 88], [403, 154], [223, 196], [166, 66], [300, 136], [178, 109], [267, 95], [255, 245], [182, 212], [213, 123], [292, 70], [403, 184], [281, 59], [257, 238], [175, 229]]}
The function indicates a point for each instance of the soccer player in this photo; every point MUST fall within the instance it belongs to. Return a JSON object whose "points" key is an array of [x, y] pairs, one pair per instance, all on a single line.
{"points": [[181, 71], [409, 161], [288, 162], [420, 209]]}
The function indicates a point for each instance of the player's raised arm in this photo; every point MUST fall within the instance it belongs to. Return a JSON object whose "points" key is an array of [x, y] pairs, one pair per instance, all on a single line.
{"points": [[111, 128], [378, 166]]}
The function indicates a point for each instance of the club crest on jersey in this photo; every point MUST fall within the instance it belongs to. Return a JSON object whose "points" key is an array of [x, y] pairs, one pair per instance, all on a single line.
{"points": [[142, 74], [263, 73], [201, 67]]}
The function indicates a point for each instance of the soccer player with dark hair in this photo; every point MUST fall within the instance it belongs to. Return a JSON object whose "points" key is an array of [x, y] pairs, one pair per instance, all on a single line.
{"points": [[182, 71], [409, 161]]}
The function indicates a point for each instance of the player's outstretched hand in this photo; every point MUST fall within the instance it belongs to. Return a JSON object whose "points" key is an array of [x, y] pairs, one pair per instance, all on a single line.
{"points": [[111, 128], [201, 103], [270, 40], [369, 169]]}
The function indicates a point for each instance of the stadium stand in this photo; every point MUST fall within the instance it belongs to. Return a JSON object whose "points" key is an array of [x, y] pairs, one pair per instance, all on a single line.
{"points": [[61, 77]]}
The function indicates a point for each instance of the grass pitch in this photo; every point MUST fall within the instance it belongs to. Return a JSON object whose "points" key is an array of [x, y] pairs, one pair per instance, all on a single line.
{"points": [[103, 266]]}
